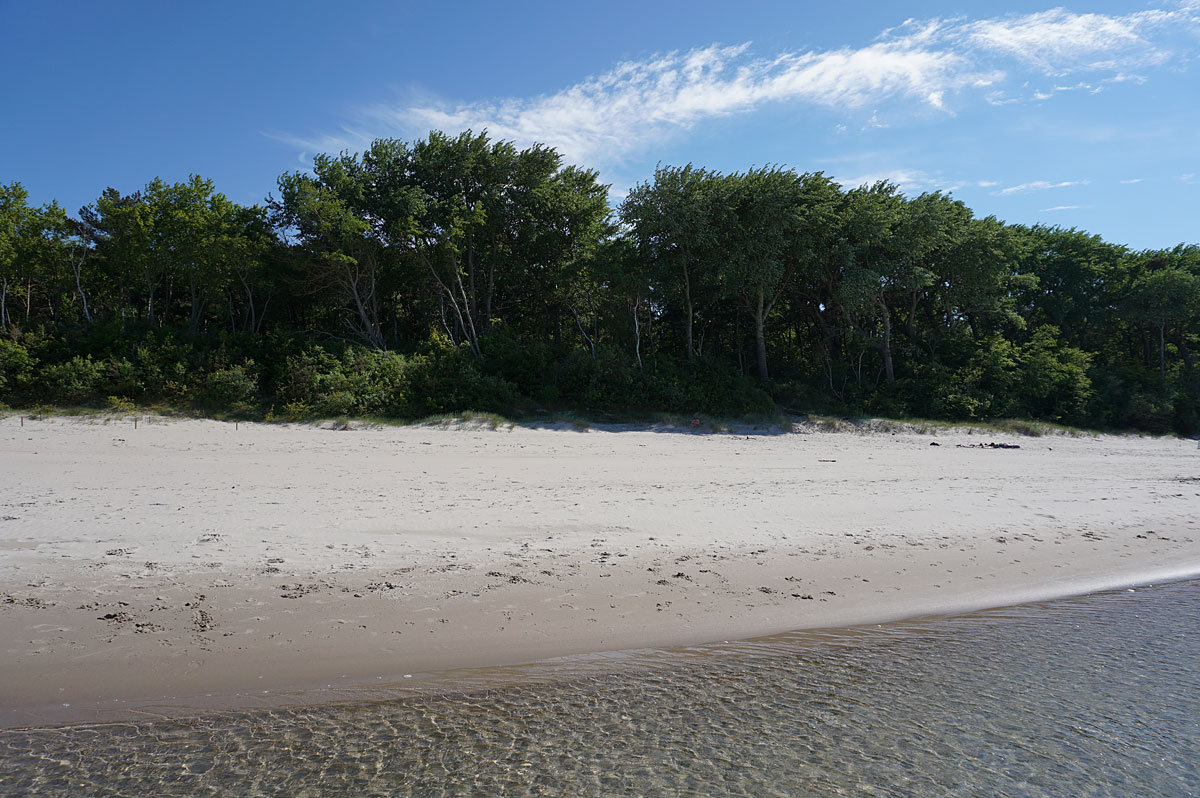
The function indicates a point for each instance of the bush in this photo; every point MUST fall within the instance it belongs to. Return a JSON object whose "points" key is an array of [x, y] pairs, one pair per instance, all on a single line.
{"points": [[453, 383], [358, 382], [234, 388], [165, 366], [1052, 378], [72, 381], [119, 404], [1149, 411], [16, 367], [120, 377]]}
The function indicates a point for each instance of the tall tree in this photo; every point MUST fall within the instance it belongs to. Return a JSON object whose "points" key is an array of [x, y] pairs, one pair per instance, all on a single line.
{"points": [[675, 221], [1164, 294], [777, 225], [15, 219], [344, 244]]}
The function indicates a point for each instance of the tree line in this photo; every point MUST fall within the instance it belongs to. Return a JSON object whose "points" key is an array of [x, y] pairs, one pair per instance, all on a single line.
{"points": [[458, 272]]}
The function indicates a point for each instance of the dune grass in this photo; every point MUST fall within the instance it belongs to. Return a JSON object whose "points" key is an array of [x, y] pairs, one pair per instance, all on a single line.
{"points": [[582, 421]]}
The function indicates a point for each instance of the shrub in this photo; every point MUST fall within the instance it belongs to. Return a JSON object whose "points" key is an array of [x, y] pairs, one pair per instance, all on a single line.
{"points": [[1149, 411], [1052, 378], [164, 365], [120, 377], [119, 404], [72, 381], [452, 383], [16, 366], [234, 388]]}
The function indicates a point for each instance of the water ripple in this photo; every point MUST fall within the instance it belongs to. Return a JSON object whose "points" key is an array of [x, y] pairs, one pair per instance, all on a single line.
{"points": [[1093, 696]]}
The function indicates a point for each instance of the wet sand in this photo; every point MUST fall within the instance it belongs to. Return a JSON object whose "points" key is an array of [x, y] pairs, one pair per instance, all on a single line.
{"points": [[186, 558]]}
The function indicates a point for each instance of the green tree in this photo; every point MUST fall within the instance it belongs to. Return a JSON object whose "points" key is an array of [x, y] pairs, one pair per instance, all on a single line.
{"points": [[344, 245], [676, 224], [777, 224], [15, 219], [1165, 293]]}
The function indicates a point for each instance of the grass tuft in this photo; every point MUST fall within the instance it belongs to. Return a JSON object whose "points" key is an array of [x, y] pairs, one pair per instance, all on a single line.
{"points": [[917, 426]]}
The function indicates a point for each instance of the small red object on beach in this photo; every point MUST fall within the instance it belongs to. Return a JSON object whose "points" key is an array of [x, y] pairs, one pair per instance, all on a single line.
{"points": [[695, 422]]}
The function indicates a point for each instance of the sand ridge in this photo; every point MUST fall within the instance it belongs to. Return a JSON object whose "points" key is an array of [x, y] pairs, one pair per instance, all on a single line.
{"points": [[187, 557]]}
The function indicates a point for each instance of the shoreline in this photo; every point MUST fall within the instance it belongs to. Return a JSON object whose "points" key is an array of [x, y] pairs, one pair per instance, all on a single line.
{"points": [[468, 678], [192, 557]]}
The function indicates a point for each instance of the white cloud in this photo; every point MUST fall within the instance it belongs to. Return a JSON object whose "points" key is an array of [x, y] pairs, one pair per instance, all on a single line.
{"points": [[1131, 182], [1060, 208], [348, 138], [931, 65], [875, 123], [908, 180], [639, 101], [1039, 185], [1060, 41]]}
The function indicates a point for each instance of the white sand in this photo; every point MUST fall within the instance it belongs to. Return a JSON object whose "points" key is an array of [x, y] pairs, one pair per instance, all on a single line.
{"points": [[184, 558]]}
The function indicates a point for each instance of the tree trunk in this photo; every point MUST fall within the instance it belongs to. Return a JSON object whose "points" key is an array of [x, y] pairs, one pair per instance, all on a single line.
{"points": [[474, 300], [77, 268], [583, 331], [1162, 350], [886, 345], [740, 342], [364, 306], [445, 323], [462, 313], [490, 293], [760, 338], [149, 278], [469, 328], [687, 296], [250, 318], [637, 334], [197, 305]]}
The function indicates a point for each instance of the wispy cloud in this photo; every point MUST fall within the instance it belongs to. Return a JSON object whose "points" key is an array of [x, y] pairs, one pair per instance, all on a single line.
{"points": [[908, 180], [933, 65], [1039, 185], [1059, 42], [1131, 181], [1060, 208], [640, 101]]}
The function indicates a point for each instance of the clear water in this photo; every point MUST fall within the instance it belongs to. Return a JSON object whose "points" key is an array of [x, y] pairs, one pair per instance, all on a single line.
{"points": [[1098, 695]]}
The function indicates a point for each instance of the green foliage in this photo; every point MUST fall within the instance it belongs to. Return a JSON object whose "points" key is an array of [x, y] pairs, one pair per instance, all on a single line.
{"points": [[121, 377], [16, 367], [73, 381], [234, 388], [119, 404], [458, 274], [1053, 379], [359, 382], [1150, 411], [452, 383]]}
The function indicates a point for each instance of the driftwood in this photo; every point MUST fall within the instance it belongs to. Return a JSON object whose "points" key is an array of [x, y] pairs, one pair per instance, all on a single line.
{"points": [[989, 446]]}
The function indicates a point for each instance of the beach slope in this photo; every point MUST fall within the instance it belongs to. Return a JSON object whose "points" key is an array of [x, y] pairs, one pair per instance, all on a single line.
{"points": [[184, 558]]}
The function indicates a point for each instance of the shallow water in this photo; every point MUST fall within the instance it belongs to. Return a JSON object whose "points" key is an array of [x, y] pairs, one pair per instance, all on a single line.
{"points": [[1098, 695]]}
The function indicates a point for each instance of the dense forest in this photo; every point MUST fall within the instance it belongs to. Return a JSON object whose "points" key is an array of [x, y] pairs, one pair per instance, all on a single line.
{"points": [[459, 273]]}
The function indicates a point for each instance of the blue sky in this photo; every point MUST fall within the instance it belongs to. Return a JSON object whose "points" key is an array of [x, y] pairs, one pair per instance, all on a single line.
{"points": [[1082, 115]]}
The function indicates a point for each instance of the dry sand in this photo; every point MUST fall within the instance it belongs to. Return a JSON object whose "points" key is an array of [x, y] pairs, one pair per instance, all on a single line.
{"points": [[187, 558]]}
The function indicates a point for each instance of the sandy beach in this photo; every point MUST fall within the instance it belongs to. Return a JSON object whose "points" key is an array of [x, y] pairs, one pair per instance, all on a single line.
{"points": [[178, 559]]}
